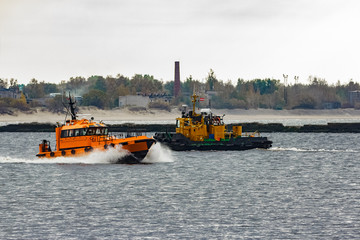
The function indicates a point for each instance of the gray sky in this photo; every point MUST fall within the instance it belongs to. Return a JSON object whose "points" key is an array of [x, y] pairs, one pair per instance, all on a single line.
{"points": [[53, 40]]}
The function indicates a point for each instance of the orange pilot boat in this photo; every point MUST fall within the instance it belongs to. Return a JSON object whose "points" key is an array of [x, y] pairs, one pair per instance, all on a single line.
{"points": [[79, 137]]}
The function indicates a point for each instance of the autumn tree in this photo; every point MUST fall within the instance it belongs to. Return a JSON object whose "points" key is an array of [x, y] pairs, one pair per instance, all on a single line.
{"points": [[56, 105], [77, 85], [146, 84]]}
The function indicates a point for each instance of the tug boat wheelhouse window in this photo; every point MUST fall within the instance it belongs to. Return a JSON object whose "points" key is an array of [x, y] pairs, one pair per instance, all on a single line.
{"points": [[84, 132]]}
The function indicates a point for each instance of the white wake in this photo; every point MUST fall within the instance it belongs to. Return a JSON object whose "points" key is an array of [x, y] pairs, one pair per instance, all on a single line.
{"points": [[293, 149], [159, 153], [109, 156]]}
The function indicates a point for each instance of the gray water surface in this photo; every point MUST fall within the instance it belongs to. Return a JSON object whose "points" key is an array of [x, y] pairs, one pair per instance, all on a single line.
{"points": [[306, 187]]}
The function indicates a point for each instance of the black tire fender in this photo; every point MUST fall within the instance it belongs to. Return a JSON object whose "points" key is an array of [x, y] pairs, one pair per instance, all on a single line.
{"points": [[88, 149]]}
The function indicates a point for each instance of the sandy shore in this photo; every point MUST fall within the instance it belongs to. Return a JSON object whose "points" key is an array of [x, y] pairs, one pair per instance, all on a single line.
{"points": [[124, 115], [271, 114], [105, 115]]}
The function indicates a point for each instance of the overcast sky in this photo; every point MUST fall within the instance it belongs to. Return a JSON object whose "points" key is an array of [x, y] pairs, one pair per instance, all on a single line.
{"points": [[53, 40]]}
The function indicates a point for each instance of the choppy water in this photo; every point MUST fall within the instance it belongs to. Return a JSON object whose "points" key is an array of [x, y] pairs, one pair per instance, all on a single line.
{"points": [[306, 187]]}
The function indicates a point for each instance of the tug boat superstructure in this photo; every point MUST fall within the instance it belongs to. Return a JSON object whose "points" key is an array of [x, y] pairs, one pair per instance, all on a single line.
{"points": [[79, 137], [207, 131]]}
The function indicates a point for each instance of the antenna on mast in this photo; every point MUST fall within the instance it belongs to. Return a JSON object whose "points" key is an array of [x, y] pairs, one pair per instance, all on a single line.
{"points": [[72, 108]]}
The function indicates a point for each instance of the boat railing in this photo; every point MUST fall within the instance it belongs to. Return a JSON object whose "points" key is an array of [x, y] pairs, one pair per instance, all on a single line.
{"points": [[101, 138], [134, 134], [127, 134], [253, 134]]}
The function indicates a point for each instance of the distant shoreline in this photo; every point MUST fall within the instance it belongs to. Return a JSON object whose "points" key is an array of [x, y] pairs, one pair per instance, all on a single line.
{"points": [[263, 120], [117, 116], [247, 127]]}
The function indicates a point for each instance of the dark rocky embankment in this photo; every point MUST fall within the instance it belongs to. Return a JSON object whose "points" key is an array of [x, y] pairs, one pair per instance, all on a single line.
{"points": [[247, 127]]}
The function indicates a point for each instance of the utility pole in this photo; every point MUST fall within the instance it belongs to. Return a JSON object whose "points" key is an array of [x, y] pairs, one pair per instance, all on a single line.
{"points": [[285, 84], [296, 79], [296, 87]]}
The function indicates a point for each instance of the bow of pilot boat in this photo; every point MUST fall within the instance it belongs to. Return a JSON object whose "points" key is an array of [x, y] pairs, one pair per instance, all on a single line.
{"points": [[138, 148]]}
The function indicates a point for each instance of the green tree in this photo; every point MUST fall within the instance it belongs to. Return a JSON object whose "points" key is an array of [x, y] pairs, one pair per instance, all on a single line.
{"points": [[96, 98], [190, 85], [34, 89], [100, 84], [266, 86], [211, 80], [50, 88], [14, 84], [169, 88], [3, 83]]}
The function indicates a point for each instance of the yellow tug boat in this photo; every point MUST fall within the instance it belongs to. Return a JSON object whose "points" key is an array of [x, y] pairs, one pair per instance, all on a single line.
{"points": [[79, 137], [206, 131]]}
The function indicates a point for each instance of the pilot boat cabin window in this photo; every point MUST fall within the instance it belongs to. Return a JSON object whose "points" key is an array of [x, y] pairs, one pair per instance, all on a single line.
{"points": [[97, 131], [84, 132]]}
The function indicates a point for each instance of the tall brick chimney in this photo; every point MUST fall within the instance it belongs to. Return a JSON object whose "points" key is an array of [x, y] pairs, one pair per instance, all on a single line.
{"points": [[177, 87]]}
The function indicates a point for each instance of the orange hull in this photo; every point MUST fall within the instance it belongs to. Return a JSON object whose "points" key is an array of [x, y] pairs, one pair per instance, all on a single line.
{"points": [[137, 147]]}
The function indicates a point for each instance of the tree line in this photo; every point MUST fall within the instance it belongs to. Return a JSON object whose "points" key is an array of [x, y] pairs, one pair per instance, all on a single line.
{"points": [[103, 92]]}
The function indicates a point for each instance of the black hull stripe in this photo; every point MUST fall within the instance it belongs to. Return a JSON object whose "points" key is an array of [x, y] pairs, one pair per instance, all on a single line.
{"points": [[73, 148]]}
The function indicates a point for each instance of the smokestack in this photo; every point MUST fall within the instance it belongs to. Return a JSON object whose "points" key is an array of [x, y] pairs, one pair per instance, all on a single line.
{"points": [[177, 79]]}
